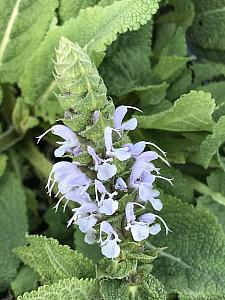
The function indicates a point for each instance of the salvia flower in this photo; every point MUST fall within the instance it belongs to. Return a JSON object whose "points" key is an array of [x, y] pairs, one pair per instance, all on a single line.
{"points": [[96, 197]]}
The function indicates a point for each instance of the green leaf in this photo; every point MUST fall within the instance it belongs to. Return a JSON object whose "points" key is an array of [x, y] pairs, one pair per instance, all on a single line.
{"points": [[23, 27], [127, 63], [25, 281], [193, 263], [210, 146], [53, 261], [216, 89], [22, 118], [192, 112], [13, 226], [145, 287], [3, 163], [68, 289], [169, 68], [215, 182], [95, 28], [91, 251], [70, 9], [208, 30]]}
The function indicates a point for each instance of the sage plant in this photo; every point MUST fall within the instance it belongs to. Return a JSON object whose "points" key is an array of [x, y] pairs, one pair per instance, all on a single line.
{"points": [[110, 180]]}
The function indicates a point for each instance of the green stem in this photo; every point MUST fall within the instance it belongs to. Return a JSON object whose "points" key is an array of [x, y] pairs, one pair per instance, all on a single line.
{"points": [[205, 190], [9, 138]]}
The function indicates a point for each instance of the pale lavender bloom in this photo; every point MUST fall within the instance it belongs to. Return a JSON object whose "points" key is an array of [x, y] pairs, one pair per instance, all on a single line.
{"points": [[68, 176], [121, 153], [121, 185], [144, 226], [85, 217], [95, 116], [109, 246], [70, 145], [107, 205], [119, 115], [104, 169]]}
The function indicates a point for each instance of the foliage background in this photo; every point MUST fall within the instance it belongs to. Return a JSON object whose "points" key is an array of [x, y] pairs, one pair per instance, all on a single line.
{"points": [[172, 66]]}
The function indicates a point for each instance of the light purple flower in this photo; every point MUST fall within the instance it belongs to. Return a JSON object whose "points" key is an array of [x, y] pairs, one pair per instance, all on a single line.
{"points": [[107, 205], [104, 169], [145, 224], [70, 145], [85, 217], [109, 246], [119, 115], [90, 237], [121, 185]]}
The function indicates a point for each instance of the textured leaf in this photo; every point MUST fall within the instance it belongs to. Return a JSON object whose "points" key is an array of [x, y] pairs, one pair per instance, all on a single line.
{"points": [[23, 27], [22, 118], [216, 89], [3, 163], [13, 226], [208, 30], [127, 63], [193, 263], [210, 146], [68, 289], [25, 281], [192, 112], [53, 261], [71, 9], [169, 68], [145, 287], [216, 183], [94, 28]]}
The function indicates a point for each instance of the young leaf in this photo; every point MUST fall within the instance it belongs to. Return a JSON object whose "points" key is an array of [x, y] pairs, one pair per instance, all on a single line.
{"points": [[13, 225], [25, 281], [53, 261], [193, 265], [73, 289], [23, 27], [3, 163], [148, 287], [210, 145], [192, 112]]}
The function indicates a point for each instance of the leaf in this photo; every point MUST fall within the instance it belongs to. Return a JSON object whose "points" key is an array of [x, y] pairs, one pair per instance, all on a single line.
{"points": [[23, 27], [95, 28], [210, 146], [216, 89], [169, 68], [13, 226], [53, 261], [91, 251], [22, 118], [3, 163], [73, 289], [191, 112], [70, 9], [145, 287], [208, 28], [215, 182], [193, 263], [127, 63], [25, 281]]}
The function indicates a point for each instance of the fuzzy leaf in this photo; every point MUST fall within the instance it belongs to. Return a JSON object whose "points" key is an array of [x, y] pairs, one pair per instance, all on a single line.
{"points": [[25, 281], [145, 287], [3, 163], [211, 143], [95, 28], [69, 289], [13, 226], [208, 30], [192, 112], [193, 263], [53, 261], [127, 64], [23, 27]]}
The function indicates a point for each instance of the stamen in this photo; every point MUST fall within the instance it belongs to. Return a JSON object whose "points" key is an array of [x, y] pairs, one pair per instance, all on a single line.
{"points": [[43, 134]]}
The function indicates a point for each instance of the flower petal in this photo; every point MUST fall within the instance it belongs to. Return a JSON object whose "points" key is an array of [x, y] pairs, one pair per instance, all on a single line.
{"points": [[129, 125], [106, 171], [108, 206], [139, 232], [119, 114], [110, 249], [154, 229], [120, 184]]}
